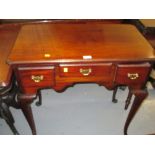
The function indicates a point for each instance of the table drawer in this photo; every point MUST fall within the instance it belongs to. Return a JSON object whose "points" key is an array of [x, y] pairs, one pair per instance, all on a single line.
{"points": [[38, 77], [135, 73], [85, 70]]}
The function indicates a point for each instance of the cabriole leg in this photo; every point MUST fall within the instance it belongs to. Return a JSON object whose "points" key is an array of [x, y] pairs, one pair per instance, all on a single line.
{"points": [[140, 95], [25, 104]]}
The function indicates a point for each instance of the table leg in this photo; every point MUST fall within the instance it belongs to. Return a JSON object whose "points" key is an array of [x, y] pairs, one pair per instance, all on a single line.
{"points": [[128, 100], [8, 99], [25, 104], [140, 95], [39, 102], [114, 100], [6, 114]]}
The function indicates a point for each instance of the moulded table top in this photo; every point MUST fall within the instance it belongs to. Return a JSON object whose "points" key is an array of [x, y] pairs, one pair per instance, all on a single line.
{"points": [[62, 42]]}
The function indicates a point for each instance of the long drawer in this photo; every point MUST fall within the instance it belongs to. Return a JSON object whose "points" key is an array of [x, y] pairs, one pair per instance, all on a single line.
{"points": [[87, 71]]}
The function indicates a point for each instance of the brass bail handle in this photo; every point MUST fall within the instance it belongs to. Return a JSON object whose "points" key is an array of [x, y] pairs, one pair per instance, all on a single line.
{"points": [[85, 72], [37, 78], [133, 76]]}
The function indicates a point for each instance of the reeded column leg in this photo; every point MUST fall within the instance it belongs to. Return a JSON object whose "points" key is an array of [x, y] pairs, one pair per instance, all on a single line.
{"points": [[25, 104], [140, 95]]}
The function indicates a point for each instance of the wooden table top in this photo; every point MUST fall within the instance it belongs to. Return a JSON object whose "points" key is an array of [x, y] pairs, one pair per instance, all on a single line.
{"points": [[8, 34], [148, 22], [79, 42]]}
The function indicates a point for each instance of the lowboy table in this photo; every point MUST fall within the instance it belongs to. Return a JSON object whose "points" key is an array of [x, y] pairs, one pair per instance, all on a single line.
{"points": [[58, 55]]}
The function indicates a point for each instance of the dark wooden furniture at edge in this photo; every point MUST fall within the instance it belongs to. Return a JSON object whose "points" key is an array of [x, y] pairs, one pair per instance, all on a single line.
{"points": [[8, 87]]}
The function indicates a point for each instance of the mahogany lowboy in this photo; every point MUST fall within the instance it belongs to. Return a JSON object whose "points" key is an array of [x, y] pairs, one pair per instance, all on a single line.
{"points": [[62, 54]]}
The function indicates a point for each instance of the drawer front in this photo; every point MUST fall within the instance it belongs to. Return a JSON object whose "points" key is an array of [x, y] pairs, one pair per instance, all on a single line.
{"points": [[132, 74], [86, 70], [38, 77]]}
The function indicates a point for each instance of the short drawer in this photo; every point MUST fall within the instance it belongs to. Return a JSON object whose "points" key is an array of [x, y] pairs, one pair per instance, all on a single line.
{"points": [[38, 77], [85, 70], [132, 73]]}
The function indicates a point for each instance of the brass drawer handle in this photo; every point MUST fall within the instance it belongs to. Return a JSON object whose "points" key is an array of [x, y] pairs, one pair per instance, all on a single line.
{"points": [[37, 78], [85, 72], [133, 76]]}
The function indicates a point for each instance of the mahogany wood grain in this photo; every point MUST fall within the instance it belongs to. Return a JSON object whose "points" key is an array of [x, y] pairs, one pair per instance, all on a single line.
{"points": [[8, 36], [75, 70], [70, 42], [142, 70], [28, 85]]}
